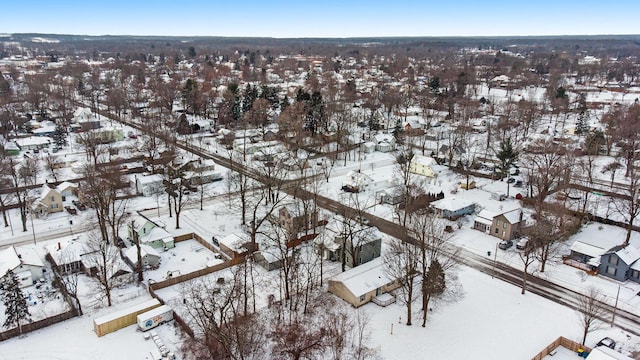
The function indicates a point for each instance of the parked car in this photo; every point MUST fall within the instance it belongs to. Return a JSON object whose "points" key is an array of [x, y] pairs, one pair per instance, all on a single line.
{"points": [[522, 244], [121, 243], [505, 244], [79, 205], [518, 183], [362, 220], [608, 342], [511, 180], [71, 210]]}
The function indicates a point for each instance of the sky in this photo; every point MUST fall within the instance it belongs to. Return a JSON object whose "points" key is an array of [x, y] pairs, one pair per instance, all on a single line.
{"points": [[324, 18]]}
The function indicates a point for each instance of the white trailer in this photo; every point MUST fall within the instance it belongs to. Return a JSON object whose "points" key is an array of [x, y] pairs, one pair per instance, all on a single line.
{"points": [[155, 317]]}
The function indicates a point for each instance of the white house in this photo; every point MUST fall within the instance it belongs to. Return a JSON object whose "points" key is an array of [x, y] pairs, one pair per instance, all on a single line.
{"points": [[67, 255], [384, 142], [24, 262], [149, 185]]}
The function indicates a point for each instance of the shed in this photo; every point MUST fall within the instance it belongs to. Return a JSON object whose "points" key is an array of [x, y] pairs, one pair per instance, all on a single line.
{"points": [[122, 318]]}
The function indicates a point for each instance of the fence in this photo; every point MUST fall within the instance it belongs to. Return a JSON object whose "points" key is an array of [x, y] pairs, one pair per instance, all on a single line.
{"points": [[561, 341], [186, 277], [36, 325]]}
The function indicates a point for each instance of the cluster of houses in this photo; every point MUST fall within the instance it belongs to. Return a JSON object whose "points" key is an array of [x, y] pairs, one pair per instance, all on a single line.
{"points": [[70, 255]]}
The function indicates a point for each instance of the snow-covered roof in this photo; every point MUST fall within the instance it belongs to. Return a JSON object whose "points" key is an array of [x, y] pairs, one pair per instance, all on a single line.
{"points": [[628, 254], [65, 185], [451, 204], [513, 216], [423, 160], [604, 353], [9, 260], [12, 257], [601, 236], [132, 253], [66, 251], [156, 233], [149, 179], [364, 278], [235, 241], [587, 249]]}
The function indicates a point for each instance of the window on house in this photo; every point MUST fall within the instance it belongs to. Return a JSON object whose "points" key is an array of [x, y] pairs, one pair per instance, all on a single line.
{"points": [[53, 198], [611, 270], [613, 260], [635, 274], [504, 225], [497, 230], [503, 233], [362, 298]]}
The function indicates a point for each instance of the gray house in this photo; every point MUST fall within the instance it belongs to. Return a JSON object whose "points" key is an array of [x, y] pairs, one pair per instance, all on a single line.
{"points": [[452, 208], [621, 263], [349, 240]]}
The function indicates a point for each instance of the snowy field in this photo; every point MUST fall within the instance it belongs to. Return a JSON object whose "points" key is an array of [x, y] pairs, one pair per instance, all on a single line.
{"points": [[491, 321]]}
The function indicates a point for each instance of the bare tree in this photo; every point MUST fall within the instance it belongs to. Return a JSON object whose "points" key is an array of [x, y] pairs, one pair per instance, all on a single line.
{"points": [[214, 312], [402, 262], [435, 246], [591, 309], [103, 260]]}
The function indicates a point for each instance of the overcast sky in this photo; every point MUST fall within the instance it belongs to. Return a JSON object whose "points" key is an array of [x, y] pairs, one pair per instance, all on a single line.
{"points": [[321, 18]]}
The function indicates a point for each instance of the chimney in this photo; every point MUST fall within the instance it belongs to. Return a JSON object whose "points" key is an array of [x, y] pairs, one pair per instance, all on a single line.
{"points": [[59, 247]]}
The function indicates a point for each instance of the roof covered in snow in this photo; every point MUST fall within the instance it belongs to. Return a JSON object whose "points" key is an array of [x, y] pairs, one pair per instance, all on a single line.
{"points": [[364, 278]]}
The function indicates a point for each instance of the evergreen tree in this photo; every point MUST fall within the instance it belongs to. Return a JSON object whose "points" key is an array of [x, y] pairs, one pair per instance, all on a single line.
{"points": [[16, 308], [60, 135], [398, 133], [507, 156], [582, 126], [434, 282]]}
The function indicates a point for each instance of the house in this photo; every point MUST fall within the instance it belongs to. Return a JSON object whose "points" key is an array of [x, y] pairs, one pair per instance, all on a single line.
{"points": [[362, 284], [384, 142], [11, 148], [356, 182], [391, 196], [85, 120], [66, 256], [149, 185], [236, 245], [621, 263], [425, 166], [452, 208], [33, 143], [116, 269], [504, 223], [454, 153], [148, 232], [297, 216], [67, 189], [593, 241], [24, 262], [150, 257], [49, 201], [349, 241], [267, 259], [201, 171]]}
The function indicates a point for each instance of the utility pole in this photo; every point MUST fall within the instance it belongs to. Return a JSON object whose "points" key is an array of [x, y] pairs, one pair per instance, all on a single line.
{"points": [[615, 307]]}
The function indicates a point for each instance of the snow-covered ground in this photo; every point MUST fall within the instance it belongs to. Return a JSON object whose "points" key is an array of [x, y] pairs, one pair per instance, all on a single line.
{"points": [[491, 321]]}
